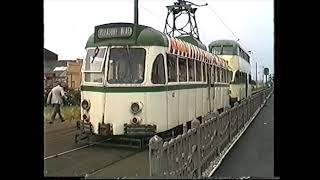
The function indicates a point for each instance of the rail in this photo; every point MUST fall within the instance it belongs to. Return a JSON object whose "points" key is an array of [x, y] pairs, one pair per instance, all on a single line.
{"points": [[197, 152]]}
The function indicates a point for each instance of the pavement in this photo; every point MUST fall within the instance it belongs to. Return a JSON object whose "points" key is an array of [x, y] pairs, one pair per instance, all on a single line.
{"points": [[253, 154]]}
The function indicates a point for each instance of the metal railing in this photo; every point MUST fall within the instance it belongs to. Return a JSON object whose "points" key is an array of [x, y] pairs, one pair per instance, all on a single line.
{"points": [[194, 153]]}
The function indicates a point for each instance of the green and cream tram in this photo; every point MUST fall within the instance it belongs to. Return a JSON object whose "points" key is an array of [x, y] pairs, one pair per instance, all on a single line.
{"points": [[239, 61], [137, 81]]}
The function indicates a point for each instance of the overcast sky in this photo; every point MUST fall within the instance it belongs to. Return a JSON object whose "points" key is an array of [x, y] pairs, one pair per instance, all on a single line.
{"points": [[69, 23]]}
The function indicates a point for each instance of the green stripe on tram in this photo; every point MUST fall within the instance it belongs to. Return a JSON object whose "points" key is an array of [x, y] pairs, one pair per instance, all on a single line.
{"points": [[146, 88]]}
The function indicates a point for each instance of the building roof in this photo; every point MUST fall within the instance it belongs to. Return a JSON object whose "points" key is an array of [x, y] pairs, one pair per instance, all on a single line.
{"points": [[50, 65], [49, 55], [60, 68]]}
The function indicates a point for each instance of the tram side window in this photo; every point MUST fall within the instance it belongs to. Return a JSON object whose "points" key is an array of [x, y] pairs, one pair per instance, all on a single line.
{"points": [[191, 70], [213, 74], [172, 68], [236, 79], [204, 72], [246, 78], [208, 72], [226, 76], [198, 71], [241, 52], [222, 75], [182, 70], [157, 75], [242, 78], [250, 80], [218, 74]]}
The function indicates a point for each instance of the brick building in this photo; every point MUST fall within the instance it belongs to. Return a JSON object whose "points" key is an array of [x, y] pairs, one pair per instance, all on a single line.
{"points": [[67, 71], [74, 74]]}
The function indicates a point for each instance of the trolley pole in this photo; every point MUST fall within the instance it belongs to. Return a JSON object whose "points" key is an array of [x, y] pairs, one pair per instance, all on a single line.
{"points": [[136, 14]]}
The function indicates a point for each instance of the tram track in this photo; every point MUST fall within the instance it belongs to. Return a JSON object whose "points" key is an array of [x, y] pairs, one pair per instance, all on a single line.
{"points": [[72, 150], [85, 160], [63, 129], [93, 172]]}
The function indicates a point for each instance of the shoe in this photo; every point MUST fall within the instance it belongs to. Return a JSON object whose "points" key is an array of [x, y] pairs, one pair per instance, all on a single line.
{"points": [[50, 122], [63, 120]]}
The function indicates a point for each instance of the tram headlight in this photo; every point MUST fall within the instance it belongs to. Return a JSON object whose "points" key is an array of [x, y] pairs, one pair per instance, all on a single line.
{"points": [[85, 105], [136, 120], [136, 107]]}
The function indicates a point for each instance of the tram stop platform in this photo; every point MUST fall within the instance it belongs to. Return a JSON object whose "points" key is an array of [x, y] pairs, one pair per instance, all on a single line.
{"points": [[253, 154]]}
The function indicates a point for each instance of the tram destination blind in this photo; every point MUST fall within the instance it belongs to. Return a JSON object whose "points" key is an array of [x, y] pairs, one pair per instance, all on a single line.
{"points": [[113, 32]]}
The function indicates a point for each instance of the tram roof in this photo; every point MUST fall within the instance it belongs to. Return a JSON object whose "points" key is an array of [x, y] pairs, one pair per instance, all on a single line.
{"points": [[139, 35], [224, 42], [193, 41], [131, 35]]}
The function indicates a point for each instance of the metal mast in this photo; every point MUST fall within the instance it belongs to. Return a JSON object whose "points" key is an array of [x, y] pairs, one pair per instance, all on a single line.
{"points": [[181, 9]]}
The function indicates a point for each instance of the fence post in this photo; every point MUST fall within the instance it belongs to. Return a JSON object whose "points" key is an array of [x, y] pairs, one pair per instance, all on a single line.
{"points": [[195, 124], [155, 147], [235, 115], [185, 128]]}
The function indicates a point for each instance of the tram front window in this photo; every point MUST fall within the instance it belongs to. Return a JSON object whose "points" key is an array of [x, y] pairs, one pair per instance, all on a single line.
{"points": [[228, 50], [126, 65], [217, 49], [94, 65]]}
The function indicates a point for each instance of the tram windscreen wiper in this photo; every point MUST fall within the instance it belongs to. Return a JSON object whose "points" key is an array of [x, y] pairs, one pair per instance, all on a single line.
{"points": [[96, 51]]}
